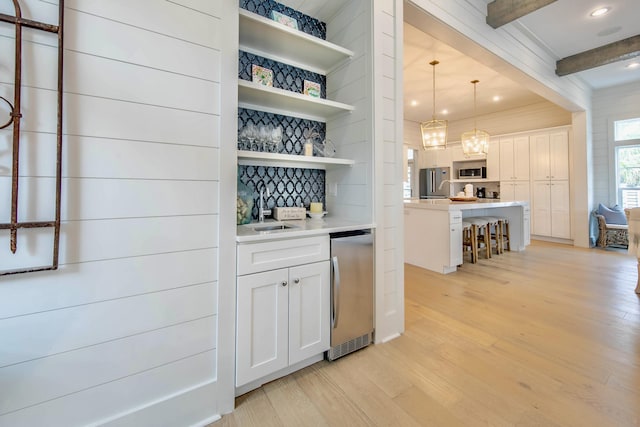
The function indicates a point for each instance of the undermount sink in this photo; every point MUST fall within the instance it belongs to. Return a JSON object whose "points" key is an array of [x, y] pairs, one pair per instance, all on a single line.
{"points": [[273, 227]]}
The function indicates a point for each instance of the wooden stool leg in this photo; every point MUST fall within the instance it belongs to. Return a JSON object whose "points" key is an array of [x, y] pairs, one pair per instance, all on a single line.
{"points": [[499, 237], [506, 235], [487, 240], [474, 243]]}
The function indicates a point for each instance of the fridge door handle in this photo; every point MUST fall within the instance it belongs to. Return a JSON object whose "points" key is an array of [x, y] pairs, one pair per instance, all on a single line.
{"points": [[336, 292], [433, 181]]}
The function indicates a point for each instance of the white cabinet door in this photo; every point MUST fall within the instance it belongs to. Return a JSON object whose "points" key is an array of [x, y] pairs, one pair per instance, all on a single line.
{"points": [[457, 155], [521, 191], [521, 158], [507, 168], [542, 208], [539, 149], [455, 239], [560, 212], [261, 325], [308, 311], [550, 156], [514, 158], [435, 158], [493, 160], [511, 191], [559, 155]]}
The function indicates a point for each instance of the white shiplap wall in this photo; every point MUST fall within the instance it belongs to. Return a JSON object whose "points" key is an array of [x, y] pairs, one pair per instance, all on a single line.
{"points": [[126, 329], [372, 136], [615, 103], [351, 83], [388, 129]]}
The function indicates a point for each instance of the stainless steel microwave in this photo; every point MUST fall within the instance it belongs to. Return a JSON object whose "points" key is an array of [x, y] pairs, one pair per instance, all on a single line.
{"points": [[472, 173]]}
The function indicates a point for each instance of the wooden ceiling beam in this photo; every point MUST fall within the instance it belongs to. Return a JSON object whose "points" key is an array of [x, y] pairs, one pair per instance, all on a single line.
{"points": [[500, 12], [607, 54]]}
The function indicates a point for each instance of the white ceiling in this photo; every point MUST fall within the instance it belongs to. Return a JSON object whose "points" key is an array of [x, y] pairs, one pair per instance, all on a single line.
{"points": [[563, 28]]}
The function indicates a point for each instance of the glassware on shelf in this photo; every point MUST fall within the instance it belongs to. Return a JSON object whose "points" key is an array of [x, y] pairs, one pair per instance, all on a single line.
{"points": [[276, 138], [251, 135]]}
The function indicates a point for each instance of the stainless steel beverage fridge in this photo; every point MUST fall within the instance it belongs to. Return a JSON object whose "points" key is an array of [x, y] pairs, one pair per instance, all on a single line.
{"points": [[351, 292]]}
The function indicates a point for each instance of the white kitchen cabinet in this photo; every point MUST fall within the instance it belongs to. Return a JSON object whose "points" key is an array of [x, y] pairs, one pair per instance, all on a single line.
{"points": [[551, 209], [282, 319], [550, 156], [433, 239], [550, 171], [511, 191], [261, 324], [309, 311], [436, 158], [282, 301], [514, 158], [493, 160], [455, 237]]}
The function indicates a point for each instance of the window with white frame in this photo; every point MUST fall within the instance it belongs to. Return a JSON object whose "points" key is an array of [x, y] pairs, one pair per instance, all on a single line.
{"points": [[627, 161], [407, 185]]}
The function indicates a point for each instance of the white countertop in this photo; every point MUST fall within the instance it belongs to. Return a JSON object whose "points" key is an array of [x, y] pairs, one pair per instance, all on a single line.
{"points": [[301, 228], [448, 205]]}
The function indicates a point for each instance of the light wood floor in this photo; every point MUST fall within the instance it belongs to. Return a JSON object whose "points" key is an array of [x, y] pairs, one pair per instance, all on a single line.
{"points": [[547, 337]]}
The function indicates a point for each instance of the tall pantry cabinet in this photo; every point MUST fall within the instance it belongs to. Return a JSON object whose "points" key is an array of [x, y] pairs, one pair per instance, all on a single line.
{"points": [[550, 184], [514, 168]]}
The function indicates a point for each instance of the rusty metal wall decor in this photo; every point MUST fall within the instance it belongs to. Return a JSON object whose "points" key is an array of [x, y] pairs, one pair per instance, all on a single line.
{"points": [[14, 119]]}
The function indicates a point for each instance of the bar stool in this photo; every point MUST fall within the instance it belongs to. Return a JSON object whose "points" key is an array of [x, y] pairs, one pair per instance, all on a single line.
{"points": [[494, 225], [468, 241], [481, 234], [505, 236]]}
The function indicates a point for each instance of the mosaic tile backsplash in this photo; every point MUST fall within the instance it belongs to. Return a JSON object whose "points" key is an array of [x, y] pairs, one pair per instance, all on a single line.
{"points": [[285, 76], [306, 23], [288, 186], [292, 127]]}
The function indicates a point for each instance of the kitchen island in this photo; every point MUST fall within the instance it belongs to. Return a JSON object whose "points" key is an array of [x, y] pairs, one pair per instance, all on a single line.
{"points": [[433, 229]]}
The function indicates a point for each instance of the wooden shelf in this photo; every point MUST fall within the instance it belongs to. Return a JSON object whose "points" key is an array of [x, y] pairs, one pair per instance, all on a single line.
{"points": [[279, 101], [265, 37], [254, 158]]}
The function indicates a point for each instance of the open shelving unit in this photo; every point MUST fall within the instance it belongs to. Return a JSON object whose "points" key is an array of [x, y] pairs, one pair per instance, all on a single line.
{"points": [[270, 39], [275, 41], [279, 101], [254, 158]]}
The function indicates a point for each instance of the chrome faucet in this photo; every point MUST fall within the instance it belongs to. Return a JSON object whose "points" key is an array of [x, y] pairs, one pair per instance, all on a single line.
{"points": [[442, 183], [261, 210]]}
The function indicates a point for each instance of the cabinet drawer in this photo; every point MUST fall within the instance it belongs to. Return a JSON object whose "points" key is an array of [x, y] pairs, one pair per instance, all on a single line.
{"points": [[256, 257]]}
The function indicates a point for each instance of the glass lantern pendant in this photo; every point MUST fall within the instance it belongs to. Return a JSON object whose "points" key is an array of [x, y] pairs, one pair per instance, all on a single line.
{"points": [[434, 132], [475, 142]]}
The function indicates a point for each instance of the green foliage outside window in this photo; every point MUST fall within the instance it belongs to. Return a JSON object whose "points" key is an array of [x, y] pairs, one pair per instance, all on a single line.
{"points": [[629, 166]]}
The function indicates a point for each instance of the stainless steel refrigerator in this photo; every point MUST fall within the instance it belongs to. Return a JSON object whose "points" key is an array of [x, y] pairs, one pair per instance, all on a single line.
{"points": [[351, 292], [431, 183]]}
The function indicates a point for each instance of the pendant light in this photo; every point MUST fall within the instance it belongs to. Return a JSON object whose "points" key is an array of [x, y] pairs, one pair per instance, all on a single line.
{"points": [[475, 142], [434, 132]]}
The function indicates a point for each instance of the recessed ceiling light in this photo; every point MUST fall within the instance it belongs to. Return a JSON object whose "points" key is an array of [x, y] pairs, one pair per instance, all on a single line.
{"points": [[634, 65], [600, 11], [496, 98], [444, 112], [414, 103]]}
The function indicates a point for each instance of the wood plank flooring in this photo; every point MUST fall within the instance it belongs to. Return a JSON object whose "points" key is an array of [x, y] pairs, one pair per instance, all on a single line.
{"points": [[545, 337]]}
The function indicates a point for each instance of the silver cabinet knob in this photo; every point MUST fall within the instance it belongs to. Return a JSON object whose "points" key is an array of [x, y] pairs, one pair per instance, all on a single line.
{"points": [[284, 283], [296, 281]]}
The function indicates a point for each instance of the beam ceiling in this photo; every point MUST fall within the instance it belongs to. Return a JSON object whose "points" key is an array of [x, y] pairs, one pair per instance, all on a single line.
{"points": [[612, 52], [501, 12]]}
